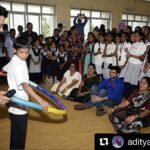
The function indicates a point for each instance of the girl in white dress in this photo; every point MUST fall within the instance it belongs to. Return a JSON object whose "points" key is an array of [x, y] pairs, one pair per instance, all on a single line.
{"points": [[98, 52], [35, 62], [134, 65], [108, 55], [121, 54]]}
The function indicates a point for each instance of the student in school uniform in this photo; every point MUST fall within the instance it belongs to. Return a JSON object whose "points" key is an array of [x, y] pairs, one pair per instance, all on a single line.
{"points": [[41, 39], [135, 64], [62, 61], [132, 38], [35, 62], [18, 79], [122, 49], [54, 66], [98, 52], [56, 37], [146, 65], [146, 31], [117, 42], [44, 64], [96, 32], [108, 55], [88, 52]]}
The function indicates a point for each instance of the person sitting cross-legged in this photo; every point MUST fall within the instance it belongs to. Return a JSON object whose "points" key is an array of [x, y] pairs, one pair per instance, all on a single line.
{"points": [[83, 93], [70, 81], [109, 92], [134, 113]]}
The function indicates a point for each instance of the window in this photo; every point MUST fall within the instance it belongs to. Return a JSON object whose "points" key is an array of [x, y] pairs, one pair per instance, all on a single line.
{"points": [[18, 7], [95, 18], [42, 17], [136, 20], [34, 9], [95, 14], [17, 17], [36, 22]]}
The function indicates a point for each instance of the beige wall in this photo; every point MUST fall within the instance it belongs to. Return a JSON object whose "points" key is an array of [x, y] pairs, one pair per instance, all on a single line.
{"points": [[115, 6]]}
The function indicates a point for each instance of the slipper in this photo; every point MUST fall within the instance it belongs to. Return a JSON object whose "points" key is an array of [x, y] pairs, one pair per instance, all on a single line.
{"points": [[64, 97], [100, 112]]}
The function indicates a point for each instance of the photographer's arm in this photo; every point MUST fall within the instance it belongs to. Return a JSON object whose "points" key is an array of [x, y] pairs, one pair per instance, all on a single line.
{"points": [[75, 20], [85, 20]]}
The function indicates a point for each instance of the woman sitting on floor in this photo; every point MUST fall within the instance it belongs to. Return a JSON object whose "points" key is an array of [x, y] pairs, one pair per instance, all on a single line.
{"points": [[70, 80], [83, 93], [133, 114]]}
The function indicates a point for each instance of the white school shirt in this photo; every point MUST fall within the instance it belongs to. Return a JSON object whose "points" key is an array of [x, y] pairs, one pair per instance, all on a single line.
{"points": [[55, 50], [33, 68], [98, 59], [64, 55], [137, 48], [17, 73], [75, 76], [110, 50], [122, 53], [45, 53]]}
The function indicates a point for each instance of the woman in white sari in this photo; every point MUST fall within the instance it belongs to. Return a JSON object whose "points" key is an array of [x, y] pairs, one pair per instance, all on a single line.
{"points": [[70, 80]]}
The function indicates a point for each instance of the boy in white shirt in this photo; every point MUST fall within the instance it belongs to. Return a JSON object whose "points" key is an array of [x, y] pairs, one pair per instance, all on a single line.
{"points": [[18, 79]]}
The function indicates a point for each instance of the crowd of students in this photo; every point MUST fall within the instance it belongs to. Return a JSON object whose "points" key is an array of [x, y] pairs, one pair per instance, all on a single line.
{"points": [[51, 56], [96, 71]]}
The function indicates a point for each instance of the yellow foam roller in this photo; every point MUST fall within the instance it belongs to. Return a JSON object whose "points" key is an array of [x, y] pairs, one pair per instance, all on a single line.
{"points": [[56, 111]]}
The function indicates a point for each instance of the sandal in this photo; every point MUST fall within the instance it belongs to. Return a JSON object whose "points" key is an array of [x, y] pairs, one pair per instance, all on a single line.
{"points": [[100, 112]]}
